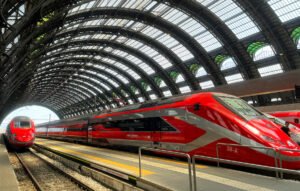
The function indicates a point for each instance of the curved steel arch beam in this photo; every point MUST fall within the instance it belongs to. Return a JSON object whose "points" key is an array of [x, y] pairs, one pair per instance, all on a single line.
{"points": [[44, 90], [105, 73], [74, 93], [65, 73], [75, 84], [74, 90], [98, 62], [199, 53], [232, 44], [163, 50], [273, 31], [136, 69], [157, 68]]}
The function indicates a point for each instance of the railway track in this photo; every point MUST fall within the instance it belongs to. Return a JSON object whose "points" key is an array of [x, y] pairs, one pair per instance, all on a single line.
{"points": [[47, 176]]}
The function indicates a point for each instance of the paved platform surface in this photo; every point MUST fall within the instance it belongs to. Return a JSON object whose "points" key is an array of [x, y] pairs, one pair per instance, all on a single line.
{"points": [[173, 174], [8, 179]]}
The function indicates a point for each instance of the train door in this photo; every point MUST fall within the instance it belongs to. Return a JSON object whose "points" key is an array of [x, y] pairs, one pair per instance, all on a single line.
{"points": [[156, 132], [89, 132]]}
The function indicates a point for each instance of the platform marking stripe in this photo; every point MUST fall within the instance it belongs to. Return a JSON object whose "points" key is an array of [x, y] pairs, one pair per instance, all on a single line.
{"points": [[201, 175], [118, 156], [129, 168]]}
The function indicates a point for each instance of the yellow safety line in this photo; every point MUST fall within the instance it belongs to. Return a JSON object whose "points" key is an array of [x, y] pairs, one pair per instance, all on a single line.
{"points": [[154, 158], [133, 169]]}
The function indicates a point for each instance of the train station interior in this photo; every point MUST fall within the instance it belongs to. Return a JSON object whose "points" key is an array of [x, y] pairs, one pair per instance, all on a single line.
{"points": [[150, 95]]}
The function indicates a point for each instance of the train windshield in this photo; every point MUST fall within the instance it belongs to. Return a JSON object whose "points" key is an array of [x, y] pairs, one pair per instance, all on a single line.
{"points": [[22, 124], [240, 107]]}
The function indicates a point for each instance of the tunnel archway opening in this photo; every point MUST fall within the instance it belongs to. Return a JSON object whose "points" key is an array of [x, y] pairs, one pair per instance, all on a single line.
{"points": [[39, 114]]}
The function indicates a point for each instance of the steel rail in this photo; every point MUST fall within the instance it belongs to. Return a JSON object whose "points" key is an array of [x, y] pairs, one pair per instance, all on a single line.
{"points": [[76, 181], [31, 176]]}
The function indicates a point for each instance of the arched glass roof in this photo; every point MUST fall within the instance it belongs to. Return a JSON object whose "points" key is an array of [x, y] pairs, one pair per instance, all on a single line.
{"points": [[89, 55]]}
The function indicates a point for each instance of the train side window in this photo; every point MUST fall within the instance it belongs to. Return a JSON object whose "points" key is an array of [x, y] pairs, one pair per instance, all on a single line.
{"points": [[296, 120], [164, 126]]}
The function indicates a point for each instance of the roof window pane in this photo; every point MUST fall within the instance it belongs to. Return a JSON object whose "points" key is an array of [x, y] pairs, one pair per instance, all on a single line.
{"points": [[174, 16], [153, 96], [227, 64], [286, 9], [207, 84], [270, 70], [141, 99], [230, 13], [201, 72], [162, 61], [179, 78], [192, 27], [234, 78], [130, 101], [208, 41], [185, 89], [167, 93], [264, 52]]}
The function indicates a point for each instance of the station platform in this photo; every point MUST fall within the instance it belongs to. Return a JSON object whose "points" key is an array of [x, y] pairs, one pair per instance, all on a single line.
{"points": [[8, 179], [170, 173]]}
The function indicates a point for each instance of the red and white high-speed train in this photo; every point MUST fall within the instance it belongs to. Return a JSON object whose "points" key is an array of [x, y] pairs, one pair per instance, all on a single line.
{"points": [[193, 124], [293, 117], [20, 132]]}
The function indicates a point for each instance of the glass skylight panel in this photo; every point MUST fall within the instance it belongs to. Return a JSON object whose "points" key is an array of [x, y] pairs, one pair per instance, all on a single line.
{"points": [[264, 52], [106, 87], [90, 4], [208, 41], [174, 16], [134, 43], [234, 78], [162, 84], [146, 68], [167, 93], [242, 26], [91, 23], [270, 70], [167, 40], [286, 9], [179, 78], [134, 74], [136, 4], [185, 89], [201, 72], [192, 27], [207, 84], [113, 3], [116, 22], [227, 64], [162, 61], [233, 16], [148, 51], [130, 101], [152, 32], [153, 96], [150, 5], [160, 9], [137, 26], [182, 52]]}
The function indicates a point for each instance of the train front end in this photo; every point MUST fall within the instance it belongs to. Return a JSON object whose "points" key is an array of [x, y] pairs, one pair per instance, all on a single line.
{"points": [[237, 131], [21, 133], [271, 141]]}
